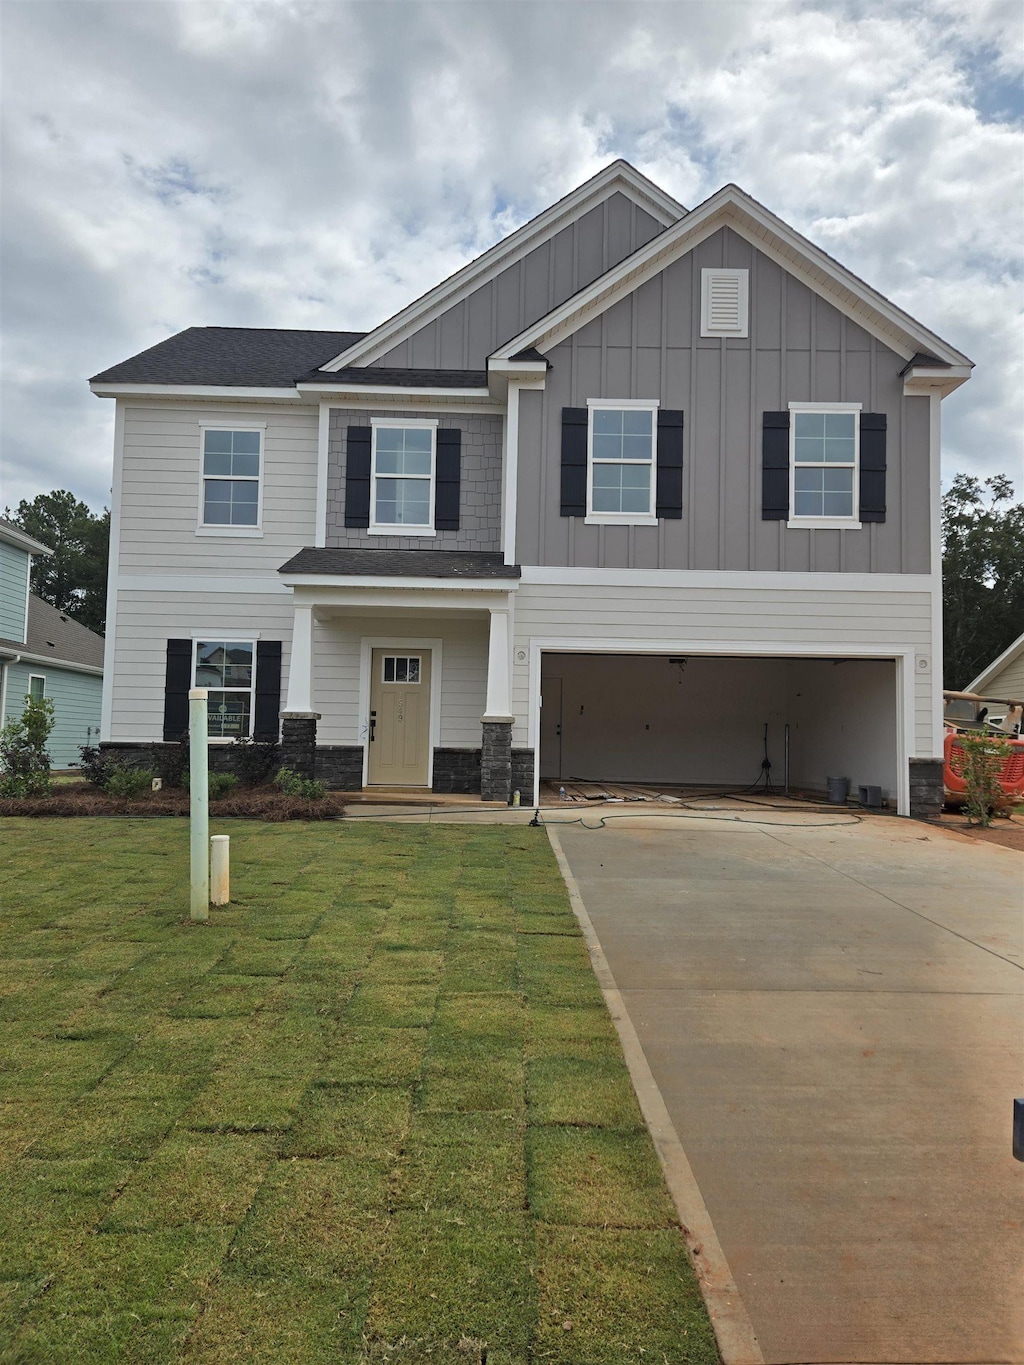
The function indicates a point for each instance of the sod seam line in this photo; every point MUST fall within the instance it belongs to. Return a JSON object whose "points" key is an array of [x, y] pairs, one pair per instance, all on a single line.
{"points": [[733, 1330]]}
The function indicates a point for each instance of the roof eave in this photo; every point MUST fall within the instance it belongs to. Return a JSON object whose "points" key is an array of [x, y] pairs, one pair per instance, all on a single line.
{"points": [[1009, 654], [13, 535], [240, 392]]}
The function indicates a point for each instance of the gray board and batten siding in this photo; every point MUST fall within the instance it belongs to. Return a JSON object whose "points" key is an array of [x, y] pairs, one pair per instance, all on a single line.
{"points": [[479, 485], [466, 334], [799, 349]]}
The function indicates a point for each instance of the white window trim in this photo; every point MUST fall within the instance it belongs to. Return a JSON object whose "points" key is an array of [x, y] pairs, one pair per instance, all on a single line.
{"points": [[743, 326], [31, 679], [214, 637], [400, 528], [210, 529], [850, 523], [622, 518], [404, 682]]}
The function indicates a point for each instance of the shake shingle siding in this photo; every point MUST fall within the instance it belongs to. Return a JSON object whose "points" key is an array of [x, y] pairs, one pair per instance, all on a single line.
{"points": [[480, 492]]}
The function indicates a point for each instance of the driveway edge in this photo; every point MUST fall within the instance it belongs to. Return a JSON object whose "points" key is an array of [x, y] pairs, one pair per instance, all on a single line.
{"points": [[737, 1342]]}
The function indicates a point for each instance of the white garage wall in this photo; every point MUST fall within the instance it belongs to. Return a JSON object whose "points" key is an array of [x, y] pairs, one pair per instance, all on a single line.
{"points": [[645, 719], [842, 722]]}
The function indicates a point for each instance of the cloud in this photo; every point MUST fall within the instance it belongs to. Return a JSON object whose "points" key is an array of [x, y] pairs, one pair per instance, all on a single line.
{"points": [[302, 164]]}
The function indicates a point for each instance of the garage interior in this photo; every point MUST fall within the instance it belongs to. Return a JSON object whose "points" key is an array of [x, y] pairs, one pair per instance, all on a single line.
{"points": [[700, 721]]}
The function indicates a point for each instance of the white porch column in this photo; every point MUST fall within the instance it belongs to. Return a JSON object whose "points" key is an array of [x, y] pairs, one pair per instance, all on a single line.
{"points": [[300, 666], [499, 692]]}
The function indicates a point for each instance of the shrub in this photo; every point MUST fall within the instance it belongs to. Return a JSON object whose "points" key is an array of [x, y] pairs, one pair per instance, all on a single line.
{"points": [[291, 784], [221, 784], [125, 781], [254, 759], [984, 756], [24, 762], [95, 765], [172, 763]]}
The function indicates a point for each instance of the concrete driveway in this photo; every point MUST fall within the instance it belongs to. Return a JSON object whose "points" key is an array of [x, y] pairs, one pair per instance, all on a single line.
{"points": [[833, 1017]]}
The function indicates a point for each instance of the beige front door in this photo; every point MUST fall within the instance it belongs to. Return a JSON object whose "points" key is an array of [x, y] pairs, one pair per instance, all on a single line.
{"points": [[399, 736]]}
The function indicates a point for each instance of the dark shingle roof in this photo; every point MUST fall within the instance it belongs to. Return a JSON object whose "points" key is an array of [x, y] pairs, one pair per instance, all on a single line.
{"points": [[415, 379], [53, 635], [402, 563], [258, 357]]}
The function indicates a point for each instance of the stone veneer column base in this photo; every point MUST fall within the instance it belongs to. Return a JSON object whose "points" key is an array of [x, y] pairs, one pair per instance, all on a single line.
{"points": [[340, 766], [522, 775], [298, 742], [926, 791], [496, 761]]}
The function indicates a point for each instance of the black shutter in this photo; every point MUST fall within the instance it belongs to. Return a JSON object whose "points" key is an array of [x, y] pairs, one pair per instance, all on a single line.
{"points": [[268, 690], [574, 462], [775, 466], [357, 477], [872, 466], [449, 474], [670, 464], [177, 681]]}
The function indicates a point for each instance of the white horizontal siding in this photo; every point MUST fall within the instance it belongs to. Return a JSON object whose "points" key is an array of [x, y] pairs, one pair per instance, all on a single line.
{"points": [[147, 620], [76, 701], [161, 478], [337, 643], [725, 618]]}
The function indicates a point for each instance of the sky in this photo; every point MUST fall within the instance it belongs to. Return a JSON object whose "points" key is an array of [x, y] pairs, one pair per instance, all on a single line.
{"points": [[298, 164]]}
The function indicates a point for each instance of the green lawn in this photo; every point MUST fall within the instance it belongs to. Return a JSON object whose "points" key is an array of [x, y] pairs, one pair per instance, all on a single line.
{"points": [[373, 1111]]}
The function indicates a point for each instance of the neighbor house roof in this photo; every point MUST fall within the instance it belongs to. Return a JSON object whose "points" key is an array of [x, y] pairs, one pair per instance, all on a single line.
{"points": [[52, 635], [14, 535], [253, 357], [1009, 655], [400, 564]]}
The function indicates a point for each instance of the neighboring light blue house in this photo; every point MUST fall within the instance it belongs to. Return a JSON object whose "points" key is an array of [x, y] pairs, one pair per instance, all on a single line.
{"points": [[45, 653]]}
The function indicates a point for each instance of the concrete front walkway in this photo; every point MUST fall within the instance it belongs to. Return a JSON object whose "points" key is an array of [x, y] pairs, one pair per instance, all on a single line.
{"points": [[833, 1017]]}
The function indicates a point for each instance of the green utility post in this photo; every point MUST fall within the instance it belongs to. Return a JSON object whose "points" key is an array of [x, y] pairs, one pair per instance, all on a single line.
{"points": [[199, 803]]}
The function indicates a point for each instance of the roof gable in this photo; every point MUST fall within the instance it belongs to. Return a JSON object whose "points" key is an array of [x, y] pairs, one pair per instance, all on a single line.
{"points": [[1009, 655], [732, 207], [618, 178]]}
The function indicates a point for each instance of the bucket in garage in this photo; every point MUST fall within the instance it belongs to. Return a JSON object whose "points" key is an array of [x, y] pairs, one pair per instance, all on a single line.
{"points": [[870, 796], [838, 790]]}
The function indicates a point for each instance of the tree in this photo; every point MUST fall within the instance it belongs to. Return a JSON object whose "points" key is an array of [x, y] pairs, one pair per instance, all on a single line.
{"points": [[74, 577], [982, 574]]}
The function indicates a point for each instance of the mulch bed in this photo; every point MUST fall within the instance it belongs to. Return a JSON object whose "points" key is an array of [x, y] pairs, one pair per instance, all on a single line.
{"points": [[253, 803], [1008, 833]]}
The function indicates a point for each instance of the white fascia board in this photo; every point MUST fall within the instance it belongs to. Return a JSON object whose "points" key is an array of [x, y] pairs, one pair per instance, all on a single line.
{"points": [[731, 207], [16, 537], [1009, 654], [727, 579], [95, 670], [397, 391], [193, 391], [618, 176], [383, 583]]}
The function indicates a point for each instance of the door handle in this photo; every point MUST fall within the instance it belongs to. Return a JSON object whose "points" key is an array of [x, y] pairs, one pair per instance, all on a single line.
{"points": [[373, 725], [558, 730]]}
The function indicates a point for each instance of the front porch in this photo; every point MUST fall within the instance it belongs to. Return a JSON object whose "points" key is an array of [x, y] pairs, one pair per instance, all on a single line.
{"points": [[399, 674]]}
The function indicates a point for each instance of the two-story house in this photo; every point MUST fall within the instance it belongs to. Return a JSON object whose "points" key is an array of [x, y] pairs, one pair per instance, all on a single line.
{"points": [[631, 496], [44, 653]]}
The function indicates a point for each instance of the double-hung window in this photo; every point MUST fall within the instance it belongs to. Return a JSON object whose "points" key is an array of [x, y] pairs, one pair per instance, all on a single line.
{"points": [[228, 669], [824, 454], [403, 462], [622, 445], [230, 500]]}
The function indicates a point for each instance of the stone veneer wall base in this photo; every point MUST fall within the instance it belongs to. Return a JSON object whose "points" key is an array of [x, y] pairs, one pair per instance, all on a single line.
{"points": [[926, 788]]}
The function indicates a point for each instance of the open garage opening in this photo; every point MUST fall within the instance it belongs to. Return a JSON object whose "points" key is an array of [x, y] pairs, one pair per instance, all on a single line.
{"points": [[700, 721]]}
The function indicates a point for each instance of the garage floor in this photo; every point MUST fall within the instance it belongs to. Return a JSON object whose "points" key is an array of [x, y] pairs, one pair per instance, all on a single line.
{"points": [[833, 1016]]}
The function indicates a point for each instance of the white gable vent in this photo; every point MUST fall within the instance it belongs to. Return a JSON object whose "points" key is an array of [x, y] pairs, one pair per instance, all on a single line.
{"points": [[723, 303]]}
